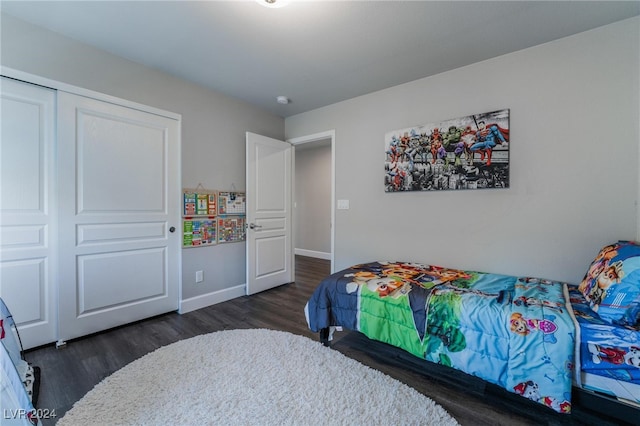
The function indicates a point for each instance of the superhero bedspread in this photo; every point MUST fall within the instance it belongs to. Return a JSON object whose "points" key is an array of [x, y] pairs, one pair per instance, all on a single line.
{"points": [[513, 332]]}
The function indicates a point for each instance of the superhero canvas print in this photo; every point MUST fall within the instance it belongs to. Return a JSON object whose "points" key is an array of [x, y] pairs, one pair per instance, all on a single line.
{"points": [[470, 152]]}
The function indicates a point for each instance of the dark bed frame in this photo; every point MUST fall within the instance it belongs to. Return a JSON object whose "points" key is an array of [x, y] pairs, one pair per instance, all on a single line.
{"points": [[588, 408]]}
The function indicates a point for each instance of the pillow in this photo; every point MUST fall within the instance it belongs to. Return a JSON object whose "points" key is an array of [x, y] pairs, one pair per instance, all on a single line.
{"points": [[612, 283]]}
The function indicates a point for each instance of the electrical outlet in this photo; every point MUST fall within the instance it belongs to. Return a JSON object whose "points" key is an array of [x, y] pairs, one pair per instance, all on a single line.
{"points": [[199, 276], [343, 205]]}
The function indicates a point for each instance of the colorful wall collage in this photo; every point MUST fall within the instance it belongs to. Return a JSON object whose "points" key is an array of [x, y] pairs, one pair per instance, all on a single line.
{"points": [[212, 217]]}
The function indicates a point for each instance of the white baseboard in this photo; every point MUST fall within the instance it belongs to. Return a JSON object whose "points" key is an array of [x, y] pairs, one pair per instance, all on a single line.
{"points": [[204, 300], [312, 253]]}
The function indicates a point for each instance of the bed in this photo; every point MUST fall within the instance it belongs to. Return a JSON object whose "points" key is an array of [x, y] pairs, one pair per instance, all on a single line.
{"points": [[527, 335], [608, 355]]}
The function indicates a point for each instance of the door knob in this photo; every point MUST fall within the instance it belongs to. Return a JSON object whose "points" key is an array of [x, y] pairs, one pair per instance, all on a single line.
{"points": [[254, 226], [172, 229]]}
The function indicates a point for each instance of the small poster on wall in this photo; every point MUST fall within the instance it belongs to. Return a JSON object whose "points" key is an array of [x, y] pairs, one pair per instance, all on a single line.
{"points": [[198, 233], [232, 203], [470, 152], [231, 229], [210, 217]]}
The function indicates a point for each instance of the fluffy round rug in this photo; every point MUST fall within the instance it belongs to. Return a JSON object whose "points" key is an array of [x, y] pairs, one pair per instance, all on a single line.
{"points": [[261, 377]]}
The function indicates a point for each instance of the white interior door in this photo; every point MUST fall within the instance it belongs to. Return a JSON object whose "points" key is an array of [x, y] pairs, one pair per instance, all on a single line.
{"points": [[119, 210], [28, 209], [269, 249]]}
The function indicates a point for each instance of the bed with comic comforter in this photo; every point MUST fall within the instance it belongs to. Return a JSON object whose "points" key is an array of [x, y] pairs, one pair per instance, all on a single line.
{"points": [[517, 333]]}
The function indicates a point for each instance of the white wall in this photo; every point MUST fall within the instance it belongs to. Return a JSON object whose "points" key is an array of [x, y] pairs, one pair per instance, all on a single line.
{"points": [[213, 127], [574, 161], [312, 214]]}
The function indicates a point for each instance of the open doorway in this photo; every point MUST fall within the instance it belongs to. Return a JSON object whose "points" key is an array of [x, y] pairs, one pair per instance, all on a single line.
{"points": [[314, 195]]}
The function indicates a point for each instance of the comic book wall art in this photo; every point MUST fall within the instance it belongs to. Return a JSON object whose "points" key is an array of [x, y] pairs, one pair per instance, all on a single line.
{"points": [[469, 152]]}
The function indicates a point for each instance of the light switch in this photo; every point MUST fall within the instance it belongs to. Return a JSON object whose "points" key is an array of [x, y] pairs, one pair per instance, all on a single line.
{"points": [[343, 204]]}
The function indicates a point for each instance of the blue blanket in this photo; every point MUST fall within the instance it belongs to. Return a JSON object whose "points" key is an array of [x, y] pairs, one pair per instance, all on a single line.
{"points": [[513, 332], [608, 350]]}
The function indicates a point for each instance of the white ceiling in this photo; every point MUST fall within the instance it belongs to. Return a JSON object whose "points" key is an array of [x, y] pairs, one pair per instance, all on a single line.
{"points": [[314, 52]]}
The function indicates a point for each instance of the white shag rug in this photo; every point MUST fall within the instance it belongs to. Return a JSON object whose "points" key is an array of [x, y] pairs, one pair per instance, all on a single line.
{"points": [[252, 377]]}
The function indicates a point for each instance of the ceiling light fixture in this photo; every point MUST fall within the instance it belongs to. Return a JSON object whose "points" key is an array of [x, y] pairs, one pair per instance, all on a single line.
{"points": [[282, 100], [273, 3]]}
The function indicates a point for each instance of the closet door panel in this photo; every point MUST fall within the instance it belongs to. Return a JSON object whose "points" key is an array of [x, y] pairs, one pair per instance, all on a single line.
{"points": [[139, 151], [28, 222], [120, 198]]}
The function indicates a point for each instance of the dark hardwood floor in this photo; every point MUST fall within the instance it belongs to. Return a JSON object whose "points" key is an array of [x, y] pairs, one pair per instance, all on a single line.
{"points": [[70, 372]]}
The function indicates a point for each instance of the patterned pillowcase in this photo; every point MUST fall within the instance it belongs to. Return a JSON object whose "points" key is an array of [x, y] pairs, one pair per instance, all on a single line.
{"points": [[612, 283]]}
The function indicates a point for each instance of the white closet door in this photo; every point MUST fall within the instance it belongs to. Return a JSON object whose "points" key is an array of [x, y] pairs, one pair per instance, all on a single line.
{"points": [[28, 209], [119, 214]]}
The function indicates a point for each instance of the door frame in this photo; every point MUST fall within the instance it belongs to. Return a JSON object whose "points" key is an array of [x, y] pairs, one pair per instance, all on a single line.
{"points": [[331, 135]]}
